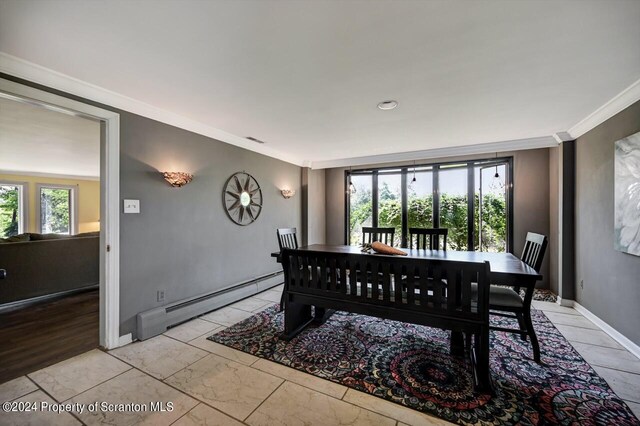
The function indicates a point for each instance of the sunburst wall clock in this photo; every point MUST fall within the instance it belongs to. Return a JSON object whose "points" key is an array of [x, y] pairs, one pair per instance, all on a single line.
{"points": [[242, 198]]}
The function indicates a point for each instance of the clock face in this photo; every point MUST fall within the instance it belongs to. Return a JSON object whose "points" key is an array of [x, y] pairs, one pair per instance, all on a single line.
{"points": [[242, 198]]}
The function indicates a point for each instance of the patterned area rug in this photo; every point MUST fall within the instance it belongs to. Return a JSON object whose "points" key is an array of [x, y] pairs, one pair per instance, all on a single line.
{"points": [[410, 365], [540, 294]]}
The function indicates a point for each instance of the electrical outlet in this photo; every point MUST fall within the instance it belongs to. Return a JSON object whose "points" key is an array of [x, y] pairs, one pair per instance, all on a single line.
{"points": [[582, 284], [160, 295]]}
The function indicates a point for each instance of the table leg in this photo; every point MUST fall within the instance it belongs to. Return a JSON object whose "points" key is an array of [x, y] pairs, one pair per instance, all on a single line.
{"points": [[322, 315], [457, 343], [296, 317]]}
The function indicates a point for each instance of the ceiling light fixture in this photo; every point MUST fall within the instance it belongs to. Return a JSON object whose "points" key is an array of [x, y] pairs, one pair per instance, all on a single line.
{"points": [[387, 105], [414, 180], [496, 183]]}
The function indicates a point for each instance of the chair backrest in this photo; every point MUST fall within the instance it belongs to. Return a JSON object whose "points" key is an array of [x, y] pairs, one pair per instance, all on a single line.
{"points": [[428, 238], [534, 247], [287, 238], [382, 235], [419, 285]]}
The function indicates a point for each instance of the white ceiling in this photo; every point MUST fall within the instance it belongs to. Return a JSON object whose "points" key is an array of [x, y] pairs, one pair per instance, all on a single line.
{"points": [[305, 76], [37, 140]]}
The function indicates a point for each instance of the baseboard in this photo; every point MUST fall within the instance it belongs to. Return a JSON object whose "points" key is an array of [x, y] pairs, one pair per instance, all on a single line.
{"points": [[124, 340], [20, 304], [616, 335], [565, 302]]}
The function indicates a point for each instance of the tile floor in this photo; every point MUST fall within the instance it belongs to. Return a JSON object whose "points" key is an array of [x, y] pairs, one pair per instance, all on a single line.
{"points": [[208, 383]]}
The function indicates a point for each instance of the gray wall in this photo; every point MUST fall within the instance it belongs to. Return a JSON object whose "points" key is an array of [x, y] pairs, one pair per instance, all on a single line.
{"points": [[316, 206], [182, 241], [554, 230], [531, 198], [611, 278]]}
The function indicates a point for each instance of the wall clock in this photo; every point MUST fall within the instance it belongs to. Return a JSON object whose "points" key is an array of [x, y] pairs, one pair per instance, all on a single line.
{"points": [[242, 198]]}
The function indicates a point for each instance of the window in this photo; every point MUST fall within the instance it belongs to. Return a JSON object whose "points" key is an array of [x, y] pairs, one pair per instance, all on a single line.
{"points": [[471, 199], [13, 208], [57, 209]]}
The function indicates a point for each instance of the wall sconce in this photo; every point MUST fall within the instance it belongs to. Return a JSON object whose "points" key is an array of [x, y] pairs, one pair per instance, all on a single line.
{"points": [[288, 193], [177, 179]]}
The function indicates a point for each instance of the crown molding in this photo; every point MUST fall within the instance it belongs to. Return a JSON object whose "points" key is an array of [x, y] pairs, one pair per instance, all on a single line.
{"points": [[48, 175], [454, 151], [29, 71], [622, 100]]}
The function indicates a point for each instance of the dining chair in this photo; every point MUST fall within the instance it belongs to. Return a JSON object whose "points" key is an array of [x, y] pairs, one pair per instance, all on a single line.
{"points": [[287, 238], [428, 238], [382, 235], [507, 302]]}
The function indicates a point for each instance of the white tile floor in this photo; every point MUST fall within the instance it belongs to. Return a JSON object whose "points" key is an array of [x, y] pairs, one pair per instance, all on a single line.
{"points": [[212, 384]]}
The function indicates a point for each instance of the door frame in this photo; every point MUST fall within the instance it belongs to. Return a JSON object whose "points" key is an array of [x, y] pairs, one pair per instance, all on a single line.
{"points": [[109, 198]]}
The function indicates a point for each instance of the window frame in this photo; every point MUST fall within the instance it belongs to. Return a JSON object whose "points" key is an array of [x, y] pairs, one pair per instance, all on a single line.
{"points": [[405, 170], [73, 210], [23, 203]]}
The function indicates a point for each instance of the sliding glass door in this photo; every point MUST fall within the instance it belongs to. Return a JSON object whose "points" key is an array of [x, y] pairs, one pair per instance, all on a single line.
{"points": [[471, 199]]}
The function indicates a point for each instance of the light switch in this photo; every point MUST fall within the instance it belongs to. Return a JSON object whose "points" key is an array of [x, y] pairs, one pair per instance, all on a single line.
{"points": [[132, 206]]}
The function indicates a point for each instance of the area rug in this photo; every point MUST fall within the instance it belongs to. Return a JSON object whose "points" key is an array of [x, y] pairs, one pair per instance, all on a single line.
{"points": [[411, 366], [539, 294]]}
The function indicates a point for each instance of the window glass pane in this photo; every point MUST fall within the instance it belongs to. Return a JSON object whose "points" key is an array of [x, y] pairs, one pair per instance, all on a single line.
{"points": [[9, 211], [55, 210], [361, 204], [390, 204], [490, 210], [453, 206], [420, 199]]}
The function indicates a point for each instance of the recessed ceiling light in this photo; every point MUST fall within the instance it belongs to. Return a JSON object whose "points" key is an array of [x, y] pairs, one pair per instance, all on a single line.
{"points": [[387, 105]]}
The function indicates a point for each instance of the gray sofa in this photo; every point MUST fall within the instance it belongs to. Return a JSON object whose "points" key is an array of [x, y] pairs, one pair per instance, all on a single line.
{"points": [[39, 265]]}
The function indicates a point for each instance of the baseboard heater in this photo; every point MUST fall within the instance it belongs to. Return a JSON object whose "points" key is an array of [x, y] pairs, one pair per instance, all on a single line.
{"points": [[156, 321]]}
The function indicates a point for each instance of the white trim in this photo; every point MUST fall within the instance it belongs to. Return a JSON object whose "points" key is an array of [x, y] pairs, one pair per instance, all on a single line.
{"points": [[622, 100], [514, 145], [562, 137], [73, 213], [615, 334], [23, 203], [49, 175], [125, 340], [110, 197], [564, 302], [35, 73]]}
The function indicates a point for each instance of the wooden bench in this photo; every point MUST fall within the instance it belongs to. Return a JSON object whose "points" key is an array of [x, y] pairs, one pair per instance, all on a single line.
{"points": [[434, 293]]}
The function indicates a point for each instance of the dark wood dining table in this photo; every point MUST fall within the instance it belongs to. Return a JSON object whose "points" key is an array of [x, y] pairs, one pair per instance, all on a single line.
{"points": [[506, 269]]}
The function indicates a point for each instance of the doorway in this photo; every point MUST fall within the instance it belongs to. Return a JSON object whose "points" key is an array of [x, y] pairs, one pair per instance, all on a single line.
{"points": [[109, 128]]}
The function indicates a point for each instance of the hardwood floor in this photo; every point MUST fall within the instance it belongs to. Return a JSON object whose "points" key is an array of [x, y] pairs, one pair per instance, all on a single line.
{"points": [[43, 334]]}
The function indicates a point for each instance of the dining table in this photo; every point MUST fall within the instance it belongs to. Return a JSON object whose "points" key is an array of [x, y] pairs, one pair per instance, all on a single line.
{"points": [[506, 268]]}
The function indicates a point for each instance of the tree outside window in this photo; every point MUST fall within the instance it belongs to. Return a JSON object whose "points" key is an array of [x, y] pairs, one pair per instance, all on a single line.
{"points": [[9, 210], [56, 210]]}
